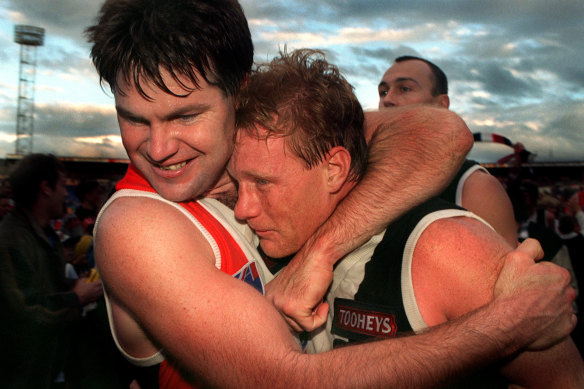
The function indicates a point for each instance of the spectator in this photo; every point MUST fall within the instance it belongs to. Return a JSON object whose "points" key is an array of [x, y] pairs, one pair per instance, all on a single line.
{"points": [[413, 80], [41, 307]]}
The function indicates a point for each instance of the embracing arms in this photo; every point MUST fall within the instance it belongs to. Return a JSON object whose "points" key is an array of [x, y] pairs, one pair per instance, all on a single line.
{"points": [[455, 267], [413, 153], [225, 333]]}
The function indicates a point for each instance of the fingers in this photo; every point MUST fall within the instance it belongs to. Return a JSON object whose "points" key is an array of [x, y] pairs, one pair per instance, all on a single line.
{"points": [[530, 248], [562, 327], [543, 293], [309, 320]]}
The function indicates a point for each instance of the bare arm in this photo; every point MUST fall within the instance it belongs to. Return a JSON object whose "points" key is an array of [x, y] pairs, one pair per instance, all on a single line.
{"points": [[475, 252], [414, 152], [484, 195], [227, 334]]}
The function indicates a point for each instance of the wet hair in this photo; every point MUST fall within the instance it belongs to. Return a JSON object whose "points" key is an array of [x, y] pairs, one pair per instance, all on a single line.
{"points": [[30, 172], [302, 97], [440, 86], [136, 39]]}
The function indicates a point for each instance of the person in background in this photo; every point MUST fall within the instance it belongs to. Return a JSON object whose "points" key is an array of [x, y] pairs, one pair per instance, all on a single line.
{"points": [[414, 80], [41, 307]]}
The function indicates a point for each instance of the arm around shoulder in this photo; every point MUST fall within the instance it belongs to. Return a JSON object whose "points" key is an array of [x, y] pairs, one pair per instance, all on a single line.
{"points": [[477, 259]]}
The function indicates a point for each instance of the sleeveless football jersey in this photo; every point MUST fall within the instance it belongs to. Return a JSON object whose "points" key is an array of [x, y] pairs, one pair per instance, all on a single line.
{"points": [[233, 245]]}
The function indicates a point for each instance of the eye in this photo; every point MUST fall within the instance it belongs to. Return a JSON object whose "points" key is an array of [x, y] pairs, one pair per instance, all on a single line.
{"points": [[261, 181], [187, 118], [382, 92], [405, 88], [134, 121]]}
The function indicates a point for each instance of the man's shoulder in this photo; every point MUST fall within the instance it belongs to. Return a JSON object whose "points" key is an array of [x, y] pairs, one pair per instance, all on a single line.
{"points": [[15, 226]]}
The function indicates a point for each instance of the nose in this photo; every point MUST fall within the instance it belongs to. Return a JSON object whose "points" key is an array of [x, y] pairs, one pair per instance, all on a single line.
{"points": [[247, 206], [162, 142], [387, 101]]}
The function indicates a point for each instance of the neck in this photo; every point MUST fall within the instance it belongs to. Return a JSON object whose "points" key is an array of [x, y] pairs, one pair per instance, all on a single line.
{"points": [[224, 191]]}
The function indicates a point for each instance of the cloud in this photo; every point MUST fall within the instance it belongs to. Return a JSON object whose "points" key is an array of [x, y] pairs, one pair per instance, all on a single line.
{"points": [[63, 18], [513, 66], [75, 120]]}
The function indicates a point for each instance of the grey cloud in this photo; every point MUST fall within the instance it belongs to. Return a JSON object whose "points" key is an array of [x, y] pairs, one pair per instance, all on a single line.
{"points": [[498, 80], [60, 120], [66, 146], [65, 18]]}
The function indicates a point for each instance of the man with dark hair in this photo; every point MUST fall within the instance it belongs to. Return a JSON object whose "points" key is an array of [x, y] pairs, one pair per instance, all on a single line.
{"points": [[438, 77], [41, 307], [408, 278], [168, 251], [414, 80]]}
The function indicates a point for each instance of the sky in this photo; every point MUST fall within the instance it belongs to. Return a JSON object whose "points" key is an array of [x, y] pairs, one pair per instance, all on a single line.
{"points": [[515, 67]]}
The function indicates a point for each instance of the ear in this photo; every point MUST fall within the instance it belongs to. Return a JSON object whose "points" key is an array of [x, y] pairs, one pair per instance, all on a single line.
{"points": [[443, 101], [338, 166], [45, 188]]}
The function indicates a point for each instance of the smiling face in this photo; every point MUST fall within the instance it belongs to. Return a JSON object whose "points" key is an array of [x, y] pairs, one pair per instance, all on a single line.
{"points": [[408, 82], [279, 197], [180, 144]]}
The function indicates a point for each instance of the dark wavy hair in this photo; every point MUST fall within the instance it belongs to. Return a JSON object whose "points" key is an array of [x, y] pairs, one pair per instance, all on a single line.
{"points": [[30, 172], [135, 39]]}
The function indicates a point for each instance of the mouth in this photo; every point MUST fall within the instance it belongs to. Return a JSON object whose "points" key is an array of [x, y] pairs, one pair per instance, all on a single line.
{"points": [[176, 166], [171, 168], [262, 233]]}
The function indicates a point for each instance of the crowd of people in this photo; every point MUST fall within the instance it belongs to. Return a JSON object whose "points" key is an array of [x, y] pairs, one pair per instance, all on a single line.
{"points": [[276, 177], [54, 327], [553, 215]]}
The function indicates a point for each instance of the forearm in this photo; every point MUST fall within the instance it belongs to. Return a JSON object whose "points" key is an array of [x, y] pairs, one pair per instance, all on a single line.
{"points": [[559, 366], [414, 153], [441, 355]]}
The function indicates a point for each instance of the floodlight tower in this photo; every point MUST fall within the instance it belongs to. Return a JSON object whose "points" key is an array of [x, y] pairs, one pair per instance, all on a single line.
{"points": [[29, 38]]}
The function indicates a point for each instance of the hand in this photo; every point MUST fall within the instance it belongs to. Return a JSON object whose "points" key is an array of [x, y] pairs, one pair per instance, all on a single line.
{"points": [[539, 294], [298, 291], [87, 292]]}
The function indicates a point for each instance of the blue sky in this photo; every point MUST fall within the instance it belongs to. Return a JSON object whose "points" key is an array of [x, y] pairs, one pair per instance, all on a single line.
{"points": [[515, 67]]}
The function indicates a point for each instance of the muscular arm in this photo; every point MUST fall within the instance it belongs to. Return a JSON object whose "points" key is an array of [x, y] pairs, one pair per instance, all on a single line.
{"points": [[227, 334], [484, 195], [414, 152], [455, 267]]}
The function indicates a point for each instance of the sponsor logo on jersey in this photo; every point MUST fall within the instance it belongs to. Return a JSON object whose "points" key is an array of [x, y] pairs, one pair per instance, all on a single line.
{"points": [[356, 320], [250, 275]]}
